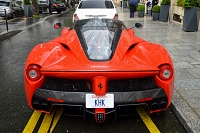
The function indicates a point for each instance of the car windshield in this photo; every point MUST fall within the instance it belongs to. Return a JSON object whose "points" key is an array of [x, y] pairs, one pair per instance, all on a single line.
{"points": [[56, 1], [96, 4], [42, 2], [99, 37], [4, 3]]}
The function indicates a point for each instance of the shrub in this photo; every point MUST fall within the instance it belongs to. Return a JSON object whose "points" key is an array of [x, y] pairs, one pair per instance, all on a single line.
{"points": [[36, 16], [165, 2], [179, 3], [140, 7], [27, 2], [156, 9], [188, 3], [197, 3]]}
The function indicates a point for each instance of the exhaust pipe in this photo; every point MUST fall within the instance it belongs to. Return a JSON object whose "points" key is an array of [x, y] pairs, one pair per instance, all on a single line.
{"points": [[163, 104], [36, 104], [154, 106], [44, 106]]}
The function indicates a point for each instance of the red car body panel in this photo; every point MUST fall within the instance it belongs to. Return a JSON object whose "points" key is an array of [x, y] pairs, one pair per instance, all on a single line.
{"points": [[64, 57]]}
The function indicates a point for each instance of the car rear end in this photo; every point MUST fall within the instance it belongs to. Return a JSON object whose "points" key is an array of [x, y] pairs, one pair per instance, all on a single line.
{"points": [[58, 6], [91, 8], [100, 71], [5, 5]]}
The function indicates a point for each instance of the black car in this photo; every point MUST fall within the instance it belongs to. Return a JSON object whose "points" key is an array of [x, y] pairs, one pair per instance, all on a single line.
{"points": [[57, 6]]}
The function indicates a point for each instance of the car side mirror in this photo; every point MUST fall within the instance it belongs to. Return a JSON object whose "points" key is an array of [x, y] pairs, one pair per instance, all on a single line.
{"points": [[57, 25]]}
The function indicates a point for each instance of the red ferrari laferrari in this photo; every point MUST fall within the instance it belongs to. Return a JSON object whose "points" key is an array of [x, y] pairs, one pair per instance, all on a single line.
{"points": [[98, 67]]}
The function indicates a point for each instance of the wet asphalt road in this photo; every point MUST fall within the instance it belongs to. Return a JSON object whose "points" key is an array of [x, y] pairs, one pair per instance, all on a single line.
{"points": [[15, 112]]}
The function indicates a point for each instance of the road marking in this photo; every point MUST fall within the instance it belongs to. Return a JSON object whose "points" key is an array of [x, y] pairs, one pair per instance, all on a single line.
{"points": [[147, 120], [32, 122], [46, 123], [56, 118]]}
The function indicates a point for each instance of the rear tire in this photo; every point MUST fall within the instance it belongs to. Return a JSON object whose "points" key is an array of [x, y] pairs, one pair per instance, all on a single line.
{"points": [[14, 15]]}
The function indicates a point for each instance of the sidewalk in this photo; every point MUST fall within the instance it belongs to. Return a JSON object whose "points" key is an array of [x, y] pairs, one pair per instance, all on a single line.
{"points": [[184, 48]]}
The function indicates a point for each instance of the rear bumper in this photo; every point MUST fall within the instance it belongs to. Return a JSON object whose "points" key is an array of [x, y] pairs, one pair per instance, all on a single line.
{"points": [[2, 14], [59, 8], [77, 99]]}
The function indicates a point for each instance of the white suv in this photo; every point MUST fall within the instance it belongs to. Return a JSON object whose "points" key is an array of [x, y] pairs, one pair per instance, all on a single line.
{"points": [[95, 8]]}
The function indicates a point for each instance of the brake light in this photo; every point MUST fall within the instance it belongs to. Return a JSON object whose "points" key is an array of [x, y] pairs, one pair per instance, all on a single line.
{"points": [[166, 72], [116, 17], [33, 72], [76, 17], [55, 5]]}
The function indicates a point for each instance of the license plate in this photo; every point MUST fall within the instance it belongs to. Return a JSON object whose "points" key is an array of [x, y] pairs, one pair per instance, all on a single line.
{"points": [[93, 101]]}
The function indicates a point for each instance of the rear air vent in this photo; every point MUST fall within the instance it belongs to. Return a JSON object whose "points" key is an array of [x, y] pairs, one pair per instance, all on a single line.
{"points": [[65, 46]]}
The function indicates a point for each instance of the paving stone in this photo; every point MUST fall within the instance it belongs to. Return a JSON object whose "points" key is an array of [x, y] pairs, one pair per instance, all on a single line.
{"points": [[182, 74], [195, 72], [198, 110], [183, 65], [185, 84], [191, 95], [167, 44], [181, 58], [195, 56], [184, 48], [171, 48]]}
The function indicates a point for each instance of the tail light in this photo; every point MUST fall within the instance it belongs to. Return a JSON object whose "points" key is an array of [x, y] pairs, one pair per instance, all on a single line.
{"points": [[116, 17], [33, 72], [76, 17], [55, 5], [166, 72]]}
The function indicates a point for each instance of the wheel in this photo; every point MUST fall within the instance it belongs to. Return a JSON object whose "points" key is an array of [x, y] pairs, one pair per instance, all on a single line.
{"points": [[14, 15], [58, 11]]}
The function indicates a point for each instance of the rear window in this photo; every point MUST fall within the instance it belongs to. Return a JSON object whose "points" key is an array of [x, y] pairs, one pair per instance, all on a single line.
{"points": [[3, 3], [95, 4], [99, 37]]}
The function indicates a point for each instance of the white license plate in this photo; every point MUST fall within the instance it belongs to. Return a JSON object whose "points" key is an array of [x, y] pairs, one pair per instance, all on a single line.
{"points": [[93, 101]]}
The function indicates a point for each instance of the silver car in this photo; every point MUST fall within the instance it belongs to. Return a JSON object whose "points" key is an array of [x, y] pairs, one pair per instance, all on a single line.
{"points": [[12, 9]]}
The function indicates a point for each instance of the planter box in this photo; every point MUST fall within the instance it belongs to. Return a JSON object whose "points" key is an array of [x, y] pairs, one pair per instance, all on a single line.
{"points": [[164, 13], [28, 11], [155, 16], [190, 22], [124, 4], [140, 14]]}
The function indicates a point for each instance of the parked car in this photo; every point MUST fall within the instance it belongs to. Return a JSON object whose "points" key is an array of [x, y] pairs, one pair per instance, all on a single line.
{"points": [[12, 9], [57, 6], [95, 8], [98, 67], [42, 6], [19, 2]]}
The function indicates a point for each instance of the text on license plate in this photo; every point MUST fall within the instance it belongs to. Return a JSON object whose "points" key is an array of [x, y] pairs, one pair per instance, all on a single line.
{"points": [[93, 101]]}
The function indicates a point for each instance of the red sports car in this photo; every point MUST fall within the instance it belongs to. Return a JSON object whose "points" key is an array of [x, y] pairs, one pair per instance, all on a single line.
{"points": [[98, 67]]}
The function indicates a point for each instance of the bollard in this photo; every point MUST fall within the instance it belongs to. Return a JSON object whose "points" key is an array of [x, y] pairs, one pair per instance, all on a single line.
{"points": [[6, 20]]}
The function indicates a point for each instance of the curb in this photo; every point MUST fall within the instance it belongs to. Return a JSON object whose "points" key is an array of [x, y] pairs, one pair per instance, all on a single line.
{"points": [[185, 114]]}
